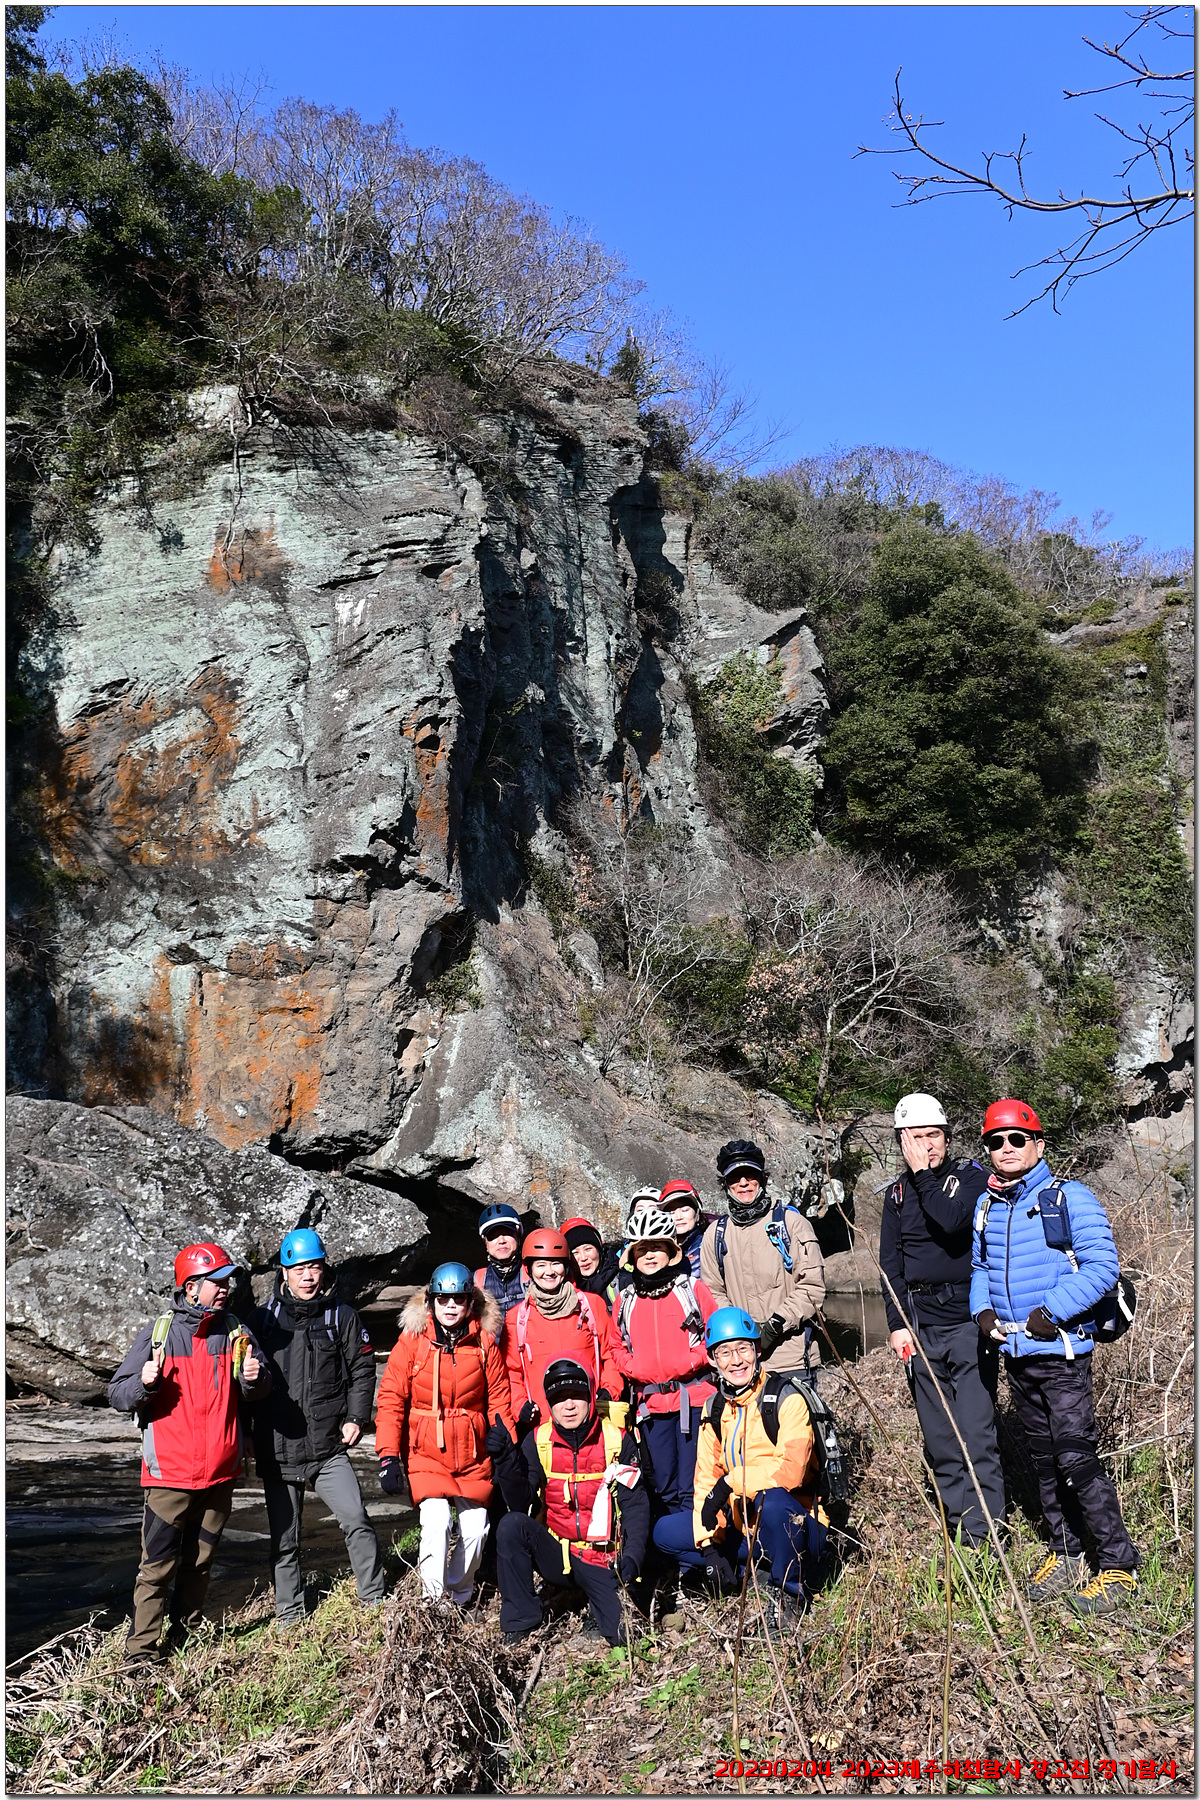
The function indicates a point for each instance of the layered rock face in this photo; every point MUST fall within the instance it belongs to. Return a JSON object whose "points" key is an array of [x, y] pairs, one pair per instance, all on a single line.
{"points": [[100, 1200], [304, 728]]}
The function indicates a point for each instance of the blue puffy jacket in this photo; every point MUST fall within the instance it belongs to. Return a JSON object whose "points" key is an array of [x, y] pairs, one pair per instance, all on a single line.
{"points": [[1022, 1271]]}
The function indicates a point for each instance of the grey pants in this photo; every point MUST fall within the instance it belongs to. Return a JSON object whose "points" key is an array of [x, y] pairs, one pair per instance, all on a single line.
{"points": [[337, 1485], [966, 1367]]}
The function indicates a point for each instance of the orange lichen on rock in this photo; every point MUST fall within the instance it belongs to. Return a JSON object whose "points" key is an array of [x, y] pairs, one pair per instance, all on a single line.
{"points": [[252, 554], [433, 767], [143, 778], [251, 1055]]}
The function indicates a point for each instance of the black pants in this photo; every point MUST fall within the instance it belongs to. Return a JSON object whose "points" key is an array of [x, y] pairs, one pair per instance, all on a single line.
{"points": [[1053, 1399], [521, 1542], [965, 1369]]}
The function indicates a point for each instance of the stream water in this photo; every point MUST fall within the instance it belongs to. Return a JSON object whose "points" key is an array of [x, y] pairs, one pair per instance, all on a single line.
{"points": [[74, 1505]]}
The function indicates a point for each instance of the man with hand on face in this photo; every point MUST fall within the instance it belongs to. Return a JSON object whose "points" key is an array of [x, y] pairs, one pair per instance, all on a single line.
{"points": [[323, 1391], [1043, 1258], [925, 1253], [182, 1380]]}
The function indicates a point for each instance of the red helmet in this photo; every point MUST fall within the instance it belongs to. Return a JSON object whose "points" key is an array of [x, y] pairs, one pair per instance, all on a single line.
{"points": [[545, 1242], [676, 1193], [203, 1259], [1013, 1114], [573, 1224]]}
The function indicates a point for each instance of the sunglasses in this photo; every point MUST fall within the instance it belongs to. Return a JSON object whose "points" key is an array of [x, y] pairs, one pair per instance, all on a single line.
{"points": [[995, 1140]]}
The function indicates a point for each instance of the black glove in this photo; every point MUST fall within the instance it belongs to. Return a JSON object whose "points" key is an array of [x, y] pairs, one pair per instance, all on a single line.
{"points": [[770, 1335], [627, 1570], [718, 1571], [712, 1506], [1040, 1325], [391, 1475], [986, 1321], [498, 1441], [526, 1419], [602, 1394]]}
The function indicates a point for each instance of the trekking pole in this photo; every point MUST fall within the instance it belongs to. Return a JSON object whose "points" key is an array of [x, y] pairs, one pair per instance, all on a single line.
{"points": [[737, 1642]]}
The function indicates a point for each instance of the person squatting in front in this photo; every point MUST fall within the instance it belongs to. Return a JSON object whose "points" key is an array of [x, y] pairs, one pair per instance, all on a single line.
{"points": [[554, 1320], [444, 1384], [659, 1347], [502, 1275], [322, 1391], [925, 1253], [764, 1257], [756, 1474], [582, 1473], [1038, 1300], [182, 1380]]}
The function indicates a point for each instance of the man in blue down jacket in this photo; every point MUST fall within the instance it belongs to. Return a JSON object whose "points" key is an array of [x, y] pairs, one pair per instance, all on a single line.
{"points": [[1037, 1302]]}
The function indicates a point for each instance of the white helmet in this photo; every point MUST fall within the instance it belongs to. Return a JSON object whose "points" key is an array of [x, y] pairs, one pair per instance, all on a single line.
{"points": [[916, 1110], [649, 1224], [645, 1197]]}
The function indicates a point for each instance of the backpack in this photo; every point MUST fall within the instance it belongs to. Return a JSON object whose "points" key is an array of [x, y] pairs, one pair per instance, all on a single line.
{"points": [[239, 1337], [777, 1231], [1113, 1312], [833, 1481], [685, 1288]]}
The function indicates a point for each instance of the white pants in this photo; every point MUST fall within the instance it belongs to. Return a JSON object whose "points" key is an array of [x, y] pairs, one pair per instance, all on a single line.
{"points": [[447, 1558]]}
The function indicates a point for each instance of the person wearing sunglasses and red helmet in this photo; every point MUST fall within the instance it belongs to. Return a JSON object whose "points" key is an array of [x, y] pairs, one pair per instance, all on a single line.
{"points": [[182, 1380], [1043, 1257]]}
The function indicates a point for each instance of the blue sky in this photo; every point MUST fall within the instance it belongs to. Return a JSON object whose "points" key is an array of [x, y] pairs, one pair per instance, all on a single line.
{"points": [[714, 148]]}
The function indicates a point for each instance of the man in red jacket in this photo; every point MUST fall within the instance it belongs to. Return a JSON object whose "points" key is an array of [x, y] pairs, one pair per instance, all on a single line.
{"points": [[182, 1381]]}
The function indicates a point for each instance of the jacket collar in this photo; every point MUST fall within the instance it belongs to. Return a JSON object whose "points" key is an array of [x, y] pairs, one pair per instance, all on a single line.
{"points": [[1032, 1181]]}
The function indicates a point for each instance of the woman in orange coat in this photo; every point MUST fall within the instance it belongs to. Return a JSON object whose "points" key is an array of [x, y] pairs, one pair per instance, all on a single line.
{"points": [[555, 1319], [444, 1384]]}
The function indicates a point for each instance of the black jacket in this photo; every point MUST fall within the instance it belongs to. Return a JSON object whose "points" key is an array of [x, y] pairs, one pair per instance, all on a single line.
{"points": [[926, 1237], [323, 1370], [604, 1278], [521, 1478]]}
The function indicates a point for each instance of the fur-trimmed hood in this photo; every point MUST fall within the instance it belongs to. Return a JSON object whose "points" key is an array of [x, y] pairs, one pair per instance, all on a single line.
{"points": [[418, 1313]]}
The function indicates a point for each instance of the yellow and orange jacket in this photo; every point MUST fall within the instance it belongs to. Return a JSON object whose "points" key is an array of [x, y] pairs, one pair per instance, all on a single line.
{"points": [[750, 1462]]}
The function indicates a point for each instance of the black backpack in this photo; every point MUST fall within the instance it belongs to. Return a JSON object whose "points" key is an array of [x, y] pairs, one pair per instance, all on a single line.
{"points": [[833, 1481]]}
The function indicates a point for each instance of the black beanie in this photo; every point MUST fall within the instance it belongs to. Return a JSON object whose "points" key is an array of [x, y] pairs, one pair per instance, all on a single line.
{"points": [[583, 1234]]}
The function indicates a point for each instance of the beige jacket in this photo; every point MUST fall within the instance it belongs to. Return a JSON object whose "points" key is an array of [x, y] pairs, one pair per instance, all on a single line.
{"points": [[757, 1281]]}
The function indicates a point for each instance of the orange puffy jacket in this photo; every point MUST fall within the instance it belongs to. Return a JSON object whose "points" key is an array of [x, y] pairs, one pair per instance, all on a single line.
{"points": [[435, 1405]]}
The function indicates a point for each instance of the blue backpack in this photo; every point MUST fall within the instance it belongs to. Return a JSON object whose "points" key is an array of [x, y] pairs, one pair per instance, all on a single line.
{"points": [[1112, 1315]]}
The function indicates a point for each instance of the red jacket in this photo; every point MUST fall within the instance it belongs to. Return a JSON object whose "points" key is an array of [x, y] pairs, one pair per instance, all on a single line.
{"points": [[435, 1405], [572, 1485], [191, 1429], [531, 1341], [653, 1343]]}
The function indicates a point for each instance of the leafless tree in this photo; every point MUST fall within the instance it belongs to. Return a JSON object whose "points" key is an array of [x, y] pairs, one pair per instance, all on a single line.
{"points": [[850, 953], [1154, 186]]}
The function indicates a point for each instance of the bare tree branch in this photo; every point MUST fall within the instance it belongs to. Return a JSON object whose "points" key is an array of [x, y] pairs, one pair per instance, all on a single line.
{"points": [[1116, 223]]}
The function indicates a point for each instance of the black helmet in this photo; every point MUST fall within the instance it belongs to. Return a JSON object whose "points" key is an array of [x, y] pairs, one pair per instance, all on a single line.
{"points": [[740, 1156], [565, 1377]]}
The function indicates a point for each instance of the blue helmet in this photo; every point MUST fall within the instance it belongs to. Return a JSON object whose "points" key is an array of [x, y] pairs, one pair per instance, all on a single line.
{"points": [[300, 1247], [450, 1278], [728, 1323], [500, 1217]]}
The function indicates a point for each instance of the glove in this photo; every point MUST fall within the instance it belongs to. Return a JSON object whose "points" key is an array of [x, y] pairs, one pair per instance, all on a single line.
{"points": [[627, 1571], [602, 1394], [391, 1475], [1040, 1325], [526, 1419], [718, 1572], [987, 1322], [498, 1442], [770, 1335], [713, 1505]]}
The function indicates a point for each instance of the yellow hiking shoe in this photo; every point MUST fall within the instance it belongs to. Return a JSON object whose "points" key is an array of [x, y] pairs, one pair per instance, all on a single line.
{"points": [[1106, 1591], [1058, 1575]]}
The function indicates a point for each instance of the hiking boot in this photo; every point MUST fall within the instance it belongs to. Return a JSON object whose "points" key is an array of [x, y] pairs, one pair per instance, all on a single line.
{"points": [[1058, 1575], [1105, 1592], [141, 1662], [519, 1637]]}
